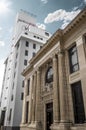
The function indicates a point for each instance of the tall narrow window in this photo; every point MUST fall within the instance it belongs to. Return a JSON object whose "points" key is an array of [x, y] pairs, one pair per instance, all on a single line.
{"points": [[73, 59], [27, 43], [22, 96], [10, 114], [26, 52], [34, 54], [12, 97], [25, 62], [27, 106], [28, 89], [84, 40], [34, 46], [22, 83], [79, 113]]}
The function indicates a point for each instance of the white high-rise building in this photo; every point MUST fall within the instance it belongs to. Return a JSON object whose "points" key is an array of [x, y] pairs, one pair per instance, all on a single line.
{"points": [[27, 40]]}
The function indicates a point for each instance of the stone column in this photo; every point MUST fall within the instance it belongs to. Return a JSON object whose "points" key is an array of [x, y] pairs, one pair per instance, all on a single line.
{"points": [[34, 99], [55, 91], [30, 101], [38, 93], [24, 104], [61, 87]]}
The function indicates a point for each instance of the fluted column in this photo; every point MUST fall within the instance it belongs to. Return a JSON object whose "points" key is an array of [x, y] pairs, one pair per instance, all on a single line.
{"points": [[30, 101], [34, 99], [24, 104], [38, 90], [61, 87], [55, 91]]}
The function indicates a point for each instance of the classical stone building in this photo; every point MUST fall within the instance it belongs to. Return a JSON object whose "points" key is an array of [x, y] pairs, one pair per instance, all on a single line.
{"points": [[55, 81]]}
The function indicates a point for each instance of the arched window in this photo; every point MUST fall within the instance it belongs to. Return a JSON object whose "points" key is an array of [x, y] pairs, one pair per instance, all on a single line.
{"points": [[49, 75]]}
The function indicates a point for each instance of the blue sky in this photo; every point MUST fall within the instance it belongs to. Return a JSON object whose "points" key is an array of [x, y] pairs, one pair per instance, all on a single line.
{"points": [[50, 15]]}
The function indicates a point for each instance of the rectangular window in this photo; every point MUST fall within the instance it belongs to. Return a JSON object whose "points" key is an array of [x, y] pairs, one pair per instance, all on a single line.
{"points": [[84, 40], [25, 62], [15, 64], [26, 52], [46, 33], [16, 55], [27, 43], [22, 96], [10, 114], [79, 113], [17, 45], [13, 86], [40, 47], [34, 54], [14, 74], [34, 46], [12, 97], [28, 90], [27, 106], [22, 83], [73, 59]]}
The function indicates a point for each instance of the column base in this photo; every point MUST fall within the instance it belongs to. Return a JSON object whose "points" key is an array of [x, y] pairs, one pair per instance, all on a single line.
{"points": [[61, 126], [35, 126]]}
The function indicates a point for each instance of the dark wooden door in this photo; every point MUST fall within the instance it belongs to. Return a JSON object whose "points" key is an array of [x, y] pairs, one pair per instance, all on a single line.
{"points": [[49, 115]]}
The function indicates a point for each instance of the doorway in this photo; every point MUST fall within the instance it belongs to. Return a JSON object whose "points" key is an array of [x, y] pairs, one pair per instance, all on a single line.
{"points": [[49, 115], [2, 117]]}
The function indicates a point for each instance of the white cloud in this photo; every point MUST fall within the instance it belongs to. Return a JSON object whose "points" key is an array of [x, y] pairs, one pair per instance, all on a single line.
{"points": [[44, 1], [85, 1], [2, 43], [5, 6], [42, 26], [0, 28], [1, 72], [61, 15]]}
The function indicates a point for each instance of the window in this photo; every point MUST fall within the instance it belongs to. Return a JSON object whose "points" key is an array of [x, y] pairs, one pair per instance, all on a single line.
{"points": [[17, 45], [40, 47], [27, 43], [10, 114], [14, 74], [73, 59], [49, 75], [25, 62], [34, 54], [16, 55], [22, 83], [13, 86], [15, 64], [35, 36], [27, 106], [11, 97], [22, 96], [34, 46], [79, 113], [28, 89], [46, 33], [26, 52], [26, 33], [84, 40]]}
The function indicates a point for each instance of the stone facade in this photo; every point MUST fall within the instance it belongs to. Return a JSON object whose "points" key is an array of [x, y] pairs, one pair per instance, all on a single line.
{"points": [[52, 100]]}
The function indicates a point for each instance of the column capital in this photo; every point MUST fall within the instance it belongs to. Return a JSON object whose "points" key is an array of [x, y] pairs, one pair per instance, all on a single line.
{"points": [[60, 52], [54, 56], [39, 69]]}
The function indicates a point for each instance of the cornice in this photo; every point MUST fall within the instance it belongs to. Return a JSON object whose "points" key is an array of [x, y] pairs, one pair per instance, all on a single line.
{"points": [[75, 22]]}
